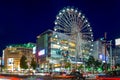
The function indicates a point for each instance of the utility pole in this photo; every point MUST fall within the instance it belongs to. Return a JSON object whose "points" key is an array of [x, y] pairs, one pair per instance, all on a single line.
{"points": [[111, 58], [105, 37]]}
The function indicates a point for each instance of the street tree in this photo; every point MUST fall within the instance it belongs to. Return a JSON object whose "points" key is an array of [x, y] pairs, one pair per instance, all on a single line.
{"points": [[67, 65], [23, 63], [97, 64], [92, 63], [33, 63]]}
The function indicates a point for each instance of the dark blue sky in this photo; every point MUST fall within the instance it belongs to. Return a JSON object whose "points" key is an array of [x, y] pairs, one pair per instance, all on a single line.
{"points": [[22, 20]]}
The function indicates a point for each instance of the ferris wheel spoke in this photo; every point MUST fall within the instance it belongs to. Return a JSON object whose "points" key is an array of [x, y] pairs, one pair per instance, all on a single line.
{"points": [[87, 37], [76, 17], [64, 18], [84, 26], [67, 16], [84, 23], [86, 30], [60, 28], [73, 16], [87, 33], [68, 23], [80, 24], [62, 23]]}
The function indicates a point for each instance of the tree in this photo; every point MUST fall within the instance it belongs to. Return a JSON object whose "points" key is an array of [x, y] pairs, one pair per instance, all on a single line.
{"points": [[105, 66], [67, 65], [23, 63], [97, 64], [90, 62], [33, 63], [80, 67]]}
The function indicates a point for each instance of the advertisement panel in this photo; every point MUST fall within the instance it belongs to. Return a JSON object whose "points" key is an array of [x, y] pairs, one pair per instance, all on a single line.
{"points": [[41, 52], [117, 42], [10, 61], [34, 50]]}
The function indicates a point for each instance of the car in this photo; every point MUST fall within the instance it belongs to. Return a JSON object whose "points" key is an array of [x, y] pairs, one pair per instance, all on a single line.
{"points": [[57, 73], [77, 75]]}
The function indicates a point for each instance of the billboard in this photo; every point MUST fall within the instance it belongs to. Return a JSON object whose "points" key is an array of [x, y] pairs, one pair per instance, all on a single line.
{"points": [[117, 42], [34, 50], [10, 61], [41, 52]]}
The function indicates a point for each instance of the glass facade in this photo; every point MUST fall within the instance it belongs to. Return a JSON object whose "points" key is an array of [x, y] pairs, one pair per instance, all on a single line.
{"points": [[55, 45]]}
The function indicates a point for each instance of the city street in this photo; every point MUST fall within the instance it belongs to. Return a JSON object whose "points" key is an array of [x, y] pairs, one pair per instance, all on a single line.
{"points": [[35, 78]]}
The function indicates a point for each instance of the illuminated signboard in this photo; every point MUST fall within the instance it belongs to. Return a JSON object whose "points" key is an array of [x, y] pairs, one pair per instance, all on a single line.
{"points": [[103, 57], [10, 61], [3, 58], [34, 50], [117, 42], [41, 52]]}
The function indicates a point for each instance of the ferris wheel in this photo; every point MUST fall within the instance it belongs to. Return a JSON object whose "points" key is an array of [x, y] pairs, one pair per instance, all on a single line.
{"points": [[73, 23]]}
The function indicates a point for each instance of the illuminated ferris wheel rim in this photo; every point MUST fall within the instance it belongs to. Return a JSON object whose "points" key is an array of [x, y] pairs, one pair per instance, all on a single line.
{"points": [[70, 21]]}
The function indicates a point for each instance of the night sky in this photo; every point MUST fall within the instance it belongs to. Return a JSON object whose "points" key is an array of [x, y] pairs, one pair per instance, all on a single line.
{"points": [[22, 20]]}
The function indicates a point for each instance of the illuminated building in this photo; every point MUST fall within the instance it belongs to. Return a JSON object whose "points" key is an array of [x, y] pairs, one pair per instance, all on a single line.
{"points": [[13, 53], [99, 51], [116, 51], [53, 49]]}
